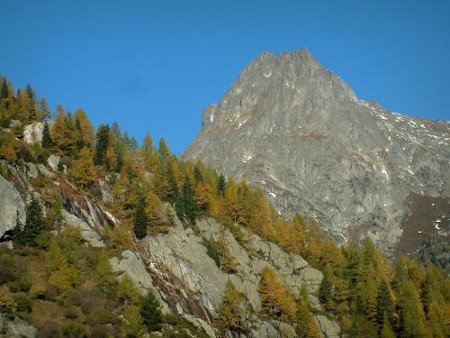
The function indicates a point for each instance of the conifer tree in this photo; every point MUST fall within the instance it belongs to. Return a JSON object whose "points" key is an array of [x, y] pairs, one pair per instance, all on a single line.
{"points": [[111, 152], [140, 219], [306, 325], [151, 312], [101, 144], [275, 298], [326, 289], [189, 202], [232, 311], [83, 129], [221, 185], [164, 151], [155, 214], [33, 226], [47, 141], [385, 306], [44, 110], [83, 170]]}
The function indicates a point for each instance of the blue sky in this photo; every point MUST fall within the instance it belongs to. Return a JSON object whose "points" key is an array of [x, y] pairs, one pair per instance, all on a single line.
{"points": [[154, 66]]}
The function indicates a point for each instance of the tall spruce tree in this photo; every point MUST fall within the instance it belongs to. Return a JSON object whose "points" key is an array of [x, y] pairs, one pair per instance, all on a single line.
{"points": [[151, 312], [101, 144], [47, 141], [140, 219], [33, 226]]}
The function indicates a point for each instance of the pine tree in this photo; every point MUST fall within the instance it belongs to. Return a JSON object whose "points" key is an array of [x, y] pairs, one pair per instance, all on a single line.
{"points": [[47, 141], [326, 289], [33, 226], [140, 219], [151, 312], [221, 185], [101, 144], [189, 202]]}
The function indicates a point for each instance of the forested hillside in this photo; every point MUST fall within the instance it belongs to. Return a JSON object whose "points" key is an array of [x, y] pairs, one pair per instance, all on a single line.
{"points": [[60, 283]]}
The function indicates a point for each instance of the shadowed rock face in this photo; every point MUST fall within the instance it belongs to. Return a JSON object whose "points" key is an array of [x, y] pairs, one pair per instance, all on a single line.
{"points": [[297, 131]]}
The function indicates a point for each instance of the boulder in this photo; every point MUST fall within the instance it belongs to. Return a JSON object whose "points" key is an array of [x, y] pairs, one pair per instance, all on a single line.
{"points": [[329, 328], [32, 133], [12, 207], [53, 162], [265, 330]]}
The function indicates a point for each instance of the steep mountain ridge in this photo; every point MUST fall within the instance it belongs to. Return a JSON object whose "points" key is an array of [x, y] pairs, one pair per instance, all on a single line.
{"points": [[294, 129]]}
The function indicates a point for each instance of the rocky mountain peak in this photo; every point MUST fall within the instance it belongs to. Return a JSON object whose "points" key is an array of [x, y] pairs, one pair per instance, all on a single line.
{"points": [[296, 130]]}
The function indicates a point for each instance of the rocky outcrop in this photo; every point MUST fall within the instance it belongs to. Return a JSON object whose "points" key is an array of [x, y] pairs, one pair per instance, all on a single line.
{"points": [[32, 133], [298, 132], [89, 233], [180, 258], [16, 327], [12, 207], [329, 327], [133, 267], [184, 252]]}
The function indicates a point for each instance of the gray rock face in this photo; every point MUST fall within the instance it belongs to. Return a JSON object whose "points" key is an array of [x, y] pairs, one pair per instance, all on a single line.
{"points": [[12, 207], [32, 133], [186, 256], [298, 132]]}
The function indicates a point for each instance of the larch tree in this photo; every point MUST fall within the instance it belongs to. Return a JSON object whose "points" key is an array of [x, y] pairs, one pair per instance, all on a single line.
{"points": [[233, 311], [275, 298], [84, 130], [83, 170]]}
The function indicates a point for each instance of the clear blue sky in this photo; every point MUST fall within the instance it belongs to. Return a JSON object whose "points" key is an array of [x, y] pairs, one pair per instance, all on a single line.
{"points": [[155, 65]]}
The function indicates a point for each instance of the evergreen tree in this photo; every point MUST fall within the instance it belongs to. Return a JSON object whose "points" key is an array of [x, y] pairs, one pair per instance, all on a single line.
{"points": [[189, 202], [140, 219], [47, 141], [221, 185], [385, 306], [101, 144], [33, 226], [151, 312], [326, 289]]}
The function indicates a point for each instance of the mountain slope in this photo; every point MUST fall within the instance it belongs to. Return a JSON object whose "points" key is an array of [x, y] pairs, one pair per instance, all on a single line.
{"points": [[297, 131]]}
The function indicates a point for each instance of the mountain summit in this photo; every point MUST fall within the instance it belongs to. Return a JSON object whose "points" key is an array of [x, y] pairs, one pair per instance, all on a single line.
{"points": [[296, 130]]}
